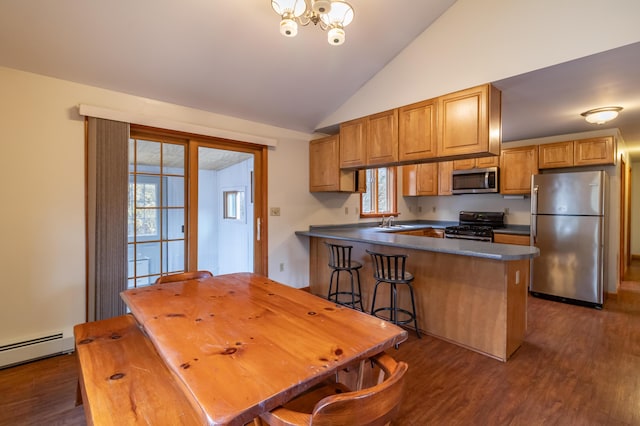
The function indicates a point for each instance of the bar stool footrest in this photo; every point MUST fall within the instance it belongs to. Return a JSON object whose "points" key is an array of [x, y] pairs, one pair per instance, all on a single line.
{"points": [[335, 297]]}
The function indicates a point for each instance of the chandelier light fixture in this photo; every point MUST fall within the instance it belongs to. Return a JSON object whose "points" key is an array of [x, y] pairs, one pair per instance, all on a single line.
{"points": [[332, 16], [601, 115]]}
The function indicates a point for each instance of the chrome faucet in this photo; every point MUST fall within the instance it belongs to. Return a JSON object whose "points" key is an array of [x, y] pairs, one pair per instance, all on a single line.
{"points": [[386, 222]]}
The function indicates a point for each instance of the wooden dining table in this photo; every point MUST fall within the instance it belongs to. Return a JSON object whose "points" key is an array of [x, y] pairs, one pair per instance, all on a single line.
{"points": [[243, 344]]}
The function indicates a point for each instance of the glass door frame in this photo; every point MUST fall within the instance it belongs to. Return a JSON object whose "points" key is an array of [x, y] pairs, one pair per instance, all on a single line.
{"points": [[259, 190]]}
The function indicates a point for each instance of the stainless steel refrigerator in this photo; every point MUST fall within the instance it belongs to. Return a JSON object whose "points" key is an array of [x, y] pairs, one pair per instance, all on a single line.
{"points": [[568, 225]]}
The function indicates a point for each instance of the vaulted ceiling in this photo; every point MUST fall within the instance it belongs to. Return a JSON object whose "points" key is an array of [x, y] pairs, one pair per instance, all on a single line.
{"points": [[228, 57]]}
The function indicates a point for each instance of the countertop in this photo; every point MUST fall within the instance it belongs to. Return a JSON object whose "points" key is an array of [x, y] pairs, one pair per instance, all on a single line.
{"points": [[370, 233]]}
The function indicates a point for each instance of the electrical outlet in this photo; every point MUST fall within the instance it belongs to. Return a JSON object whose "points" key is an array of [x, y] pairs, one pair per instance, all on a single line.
{"points": [[357, 211], [274, 211], [433, 209], [281, 267], [419, 209], [346, 210]]}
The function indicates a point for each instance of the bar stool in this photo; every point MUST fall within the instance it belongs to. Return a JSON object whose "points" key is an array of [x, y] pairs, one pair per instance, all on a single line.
{"points": [[340, 261], [390, 269]]}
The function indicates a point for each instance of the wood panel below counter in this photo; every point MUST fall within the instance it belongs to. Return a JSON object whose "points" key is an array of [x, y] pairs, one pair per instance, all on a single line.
{"points": [[474, 302]]}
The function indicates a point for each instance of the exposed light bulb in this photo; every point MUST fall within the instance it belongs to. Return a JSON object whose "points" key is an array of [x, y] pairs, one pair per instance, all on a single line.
{"points": [[321, 6], [288, 27], [336, 36]]}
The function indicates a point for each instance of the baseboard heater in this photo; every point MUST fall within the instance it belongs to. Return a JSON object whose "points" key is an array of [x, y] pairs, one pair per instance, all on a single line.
{"points": [[32, 349]]}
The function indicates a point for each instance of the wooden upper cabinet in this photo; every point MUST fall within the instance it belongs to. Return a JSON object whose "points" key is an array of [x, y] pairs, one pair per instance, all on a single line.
{"points": [[324, 168], [583, 152], [353, 143], [427, 179], [469, 122], [476, 163], [484, 162], [417, 131], [444, 177], [466, 164], [517, 165], [382, 138], [420, 179], [587, 152], [553, 155]]}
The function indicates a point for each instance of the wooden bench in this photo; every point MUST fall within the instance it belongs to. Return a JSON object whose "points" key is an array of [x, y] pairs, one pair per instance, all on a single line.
{"points": [[124, 381]]}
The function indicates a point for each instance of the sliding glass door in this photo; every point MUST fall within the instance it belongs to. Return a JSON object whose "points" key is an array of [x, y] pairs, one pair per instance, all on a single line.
{"points": [[156, 210], [194, 204], [225, 211]]}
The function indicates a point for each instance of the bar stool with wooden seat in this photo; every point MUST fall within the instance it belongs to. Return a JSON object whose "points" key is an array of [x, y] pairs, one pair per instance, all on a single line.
{"points": [[390, 269], [340, 261]]}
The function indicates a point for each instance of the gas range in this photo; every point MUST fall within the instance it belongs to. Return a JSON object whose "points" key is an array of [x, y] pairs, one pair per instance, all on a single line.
{"points": [[477, 226]]}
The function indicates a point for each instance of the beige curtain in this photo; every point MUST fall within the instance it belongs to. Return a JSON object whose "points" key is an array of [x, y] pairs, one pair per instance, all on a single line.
{"points": [[107, 196]]}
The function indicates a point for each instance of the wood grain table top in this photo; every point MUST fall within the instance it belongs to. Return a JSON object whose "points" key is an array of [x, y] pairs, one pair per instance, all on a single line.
{"points": [[243, 344]]}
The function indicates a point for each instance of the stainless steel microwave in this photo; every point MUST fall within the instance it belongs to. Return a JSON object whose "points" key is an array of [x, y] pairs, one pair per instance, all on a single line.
{"points": [[475, 181]]}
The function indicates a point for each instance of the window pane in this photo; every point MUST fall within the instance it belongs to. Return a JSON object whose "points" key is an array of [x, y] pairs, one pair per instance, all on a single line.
{"points": [[173, 224], [174, 256], [131, 209], [174, 192], [173, 159], [148, 156], [149, 252], [383, 193], [147, 191], [367, 206], [132, 156], [147, 224]]}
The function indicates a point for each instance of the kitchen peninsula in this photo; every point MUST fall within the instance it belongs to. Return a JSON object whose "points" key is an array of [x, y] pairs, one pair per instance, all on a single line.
{"points": [[470, 293]]}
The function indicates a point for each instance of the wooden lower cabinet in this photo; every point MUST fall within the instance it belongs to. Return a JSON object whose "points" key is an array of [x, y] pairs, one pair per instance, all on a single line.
{"points": [[425, 232], [477, 303], [522, 240]]}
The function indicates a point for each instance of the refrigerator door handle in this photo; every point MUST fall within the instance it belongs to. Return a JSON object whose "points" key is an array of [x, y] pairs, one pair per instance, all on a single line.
{"points": [[534, 213]]}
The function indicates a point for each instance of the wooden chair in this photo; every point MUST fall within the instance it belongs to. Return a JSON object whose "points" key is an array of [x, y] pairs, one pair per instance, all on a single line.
{"points": [[334, 404], [184, 276]]}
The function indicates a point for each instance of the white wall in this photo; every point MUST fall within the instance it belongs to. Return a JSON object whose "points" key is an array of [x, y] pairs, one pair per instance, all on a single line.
{"points": [[42, 249]]}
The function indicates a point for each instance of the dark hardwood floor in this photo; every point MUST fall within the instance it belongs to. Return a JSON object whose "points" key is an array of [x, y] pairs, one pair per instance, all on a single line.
{"points": [[577, 366]]}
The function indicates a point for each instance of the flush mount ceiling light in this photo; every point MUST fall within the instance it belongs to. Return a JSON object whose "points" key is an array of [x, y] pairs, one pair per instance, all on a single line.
{"points": [[332, 16], [601, 115]]}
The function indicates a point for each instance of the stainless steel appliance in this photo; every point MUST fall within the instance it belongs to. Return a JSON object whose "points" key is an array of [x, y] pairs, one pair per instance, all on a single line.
{"points": [[474, 181], [568, 225], [475, 226]]}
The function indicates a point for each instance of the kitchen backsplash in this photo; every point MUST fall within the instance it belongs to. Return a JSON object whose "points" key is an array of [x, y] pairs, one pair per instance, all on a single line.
{"points": [[517, 211]]}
